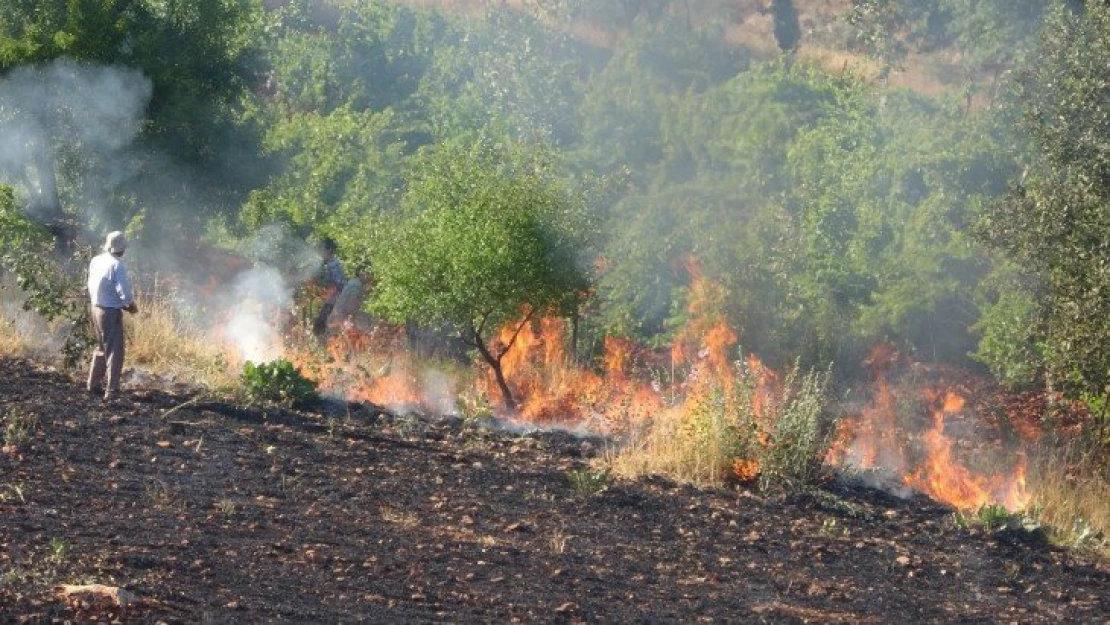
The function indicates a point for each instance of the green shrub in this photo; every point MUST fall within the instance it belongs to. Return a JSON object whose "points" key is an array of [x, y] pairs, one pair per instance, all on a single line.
{"points": [[588, 483], [16, 428], [278, 382], [796, 444]]}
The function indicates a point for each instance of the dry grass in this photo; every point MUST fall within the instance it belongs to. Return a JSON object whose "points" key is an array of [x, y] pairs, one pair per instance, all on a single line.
{"points": [[730, 431], [1070, 486], [12, 341], [24, 334], [684, 447], [160, 341]]}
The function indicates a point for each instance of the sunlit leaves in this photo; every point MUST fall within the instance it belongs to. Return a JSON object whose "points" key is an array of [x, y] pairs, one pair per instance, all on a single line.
{"points": [[1055, 222], [483, 240]]}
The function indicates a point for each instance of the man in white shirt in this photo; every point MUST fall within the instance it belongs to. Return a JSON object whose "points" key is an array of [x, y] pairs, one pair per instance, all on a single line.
{"points": [[110, 294]]}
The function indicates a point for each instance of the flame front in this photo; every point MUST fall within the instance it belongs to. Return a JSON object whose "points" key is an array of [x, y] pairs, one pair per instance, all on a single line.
{"points": [[882, 437], [636, 385]]}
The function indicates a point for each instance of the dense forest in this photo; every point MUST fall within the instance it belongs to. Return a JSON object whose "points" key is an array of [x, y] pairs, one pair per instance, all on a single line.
{"points": [[933, 176]]}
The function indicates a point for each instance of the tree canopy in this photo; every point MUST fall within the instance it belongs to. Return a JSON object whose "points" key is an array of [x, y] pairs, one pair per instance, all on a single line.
{"points": [[488, 238]]}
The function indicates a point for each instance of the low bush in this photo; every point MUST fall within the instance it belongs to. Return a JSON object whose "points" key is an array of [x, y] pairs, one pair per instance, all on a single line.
{"points": [[278, 382], [736, 429]]}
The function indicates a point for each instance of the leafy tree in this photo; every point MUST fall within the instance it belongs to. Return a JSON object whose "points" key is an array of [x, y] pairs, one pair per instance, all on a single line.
{"points": [[625, 104], [989, 34], [341, 166], [27, 255], [199, 56], [490, 237], [510, 70], [720, 197], [365, 56], [1054, 223], [888, 187], [788, 32], [1008, 303]]}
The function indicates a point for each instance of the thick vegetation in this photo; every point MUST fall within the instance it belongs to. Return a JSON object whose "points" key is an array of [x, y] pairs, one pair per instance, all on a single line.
{"points": [[485, 168]]}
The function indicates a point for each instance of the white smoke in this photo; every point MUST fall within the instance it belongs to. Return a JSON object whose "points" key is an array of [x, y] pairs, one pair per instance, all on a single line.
{"points": [[70, 123], [258, 298], [257, 303], [439, 392]]}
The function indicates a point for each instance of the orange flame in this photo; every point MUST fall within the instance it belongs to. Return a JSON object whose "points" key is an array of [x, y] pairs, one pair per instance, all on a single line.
{"points": [[879, 438], [944, 478]]}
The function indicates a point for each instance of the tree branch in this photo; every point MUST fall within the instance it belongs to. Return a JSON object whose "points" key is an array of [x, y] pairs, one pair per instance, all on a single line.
{"points": [[516, 333]]}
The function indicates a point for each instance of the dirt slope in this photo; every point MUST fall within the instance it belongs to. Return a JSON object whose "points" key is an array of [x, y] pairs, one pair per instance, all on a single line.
{"points": [[209, 512]]}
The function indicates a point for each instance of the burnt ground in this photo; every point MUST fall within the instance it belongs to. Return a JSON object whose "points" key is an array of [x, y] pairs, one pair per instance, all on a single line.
{"points": [[210, 512]]}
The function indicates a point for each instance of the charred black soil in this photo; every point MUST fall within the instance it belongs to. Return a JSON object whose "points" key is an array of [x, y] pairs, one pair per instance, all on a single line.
{"points": [[204, 511]]}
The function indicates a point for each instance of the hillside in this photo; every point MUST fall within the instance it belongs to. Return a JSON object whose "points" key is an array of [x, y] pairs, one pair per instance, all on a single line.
{"points": [[824, 41], [205, 511]]}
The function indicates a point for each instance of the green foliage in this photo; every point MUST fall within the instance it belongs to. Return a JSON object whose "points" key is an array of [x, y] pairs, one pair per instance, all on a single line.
{"points": [[279, 382], [198, 52], [588, 483], [1054, 222], [1008, 312], [368, 56], [27, 253], [508, 70], [196, 59], [342, 169], [795, 445], [887, 189], [489, 236], [987, 33], [720, 202], [625, 105], [996, 518], [16, 428], [59, 549]]}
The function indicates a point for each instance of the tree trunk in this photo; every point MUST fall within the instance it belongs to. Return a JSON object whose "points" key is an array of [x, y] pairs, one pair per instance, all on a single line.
{"points": [[495, 364]]}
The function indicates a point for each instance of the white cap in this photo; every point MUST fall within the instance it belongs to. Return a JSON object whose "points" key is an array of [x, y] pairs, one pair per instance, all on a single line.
{"points": [[116, 243]]}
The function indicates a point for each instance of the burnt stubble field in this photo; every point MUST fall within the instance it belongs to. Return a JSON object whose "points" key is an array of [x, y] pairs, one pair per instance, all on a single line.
{"points": [[203, 511]]}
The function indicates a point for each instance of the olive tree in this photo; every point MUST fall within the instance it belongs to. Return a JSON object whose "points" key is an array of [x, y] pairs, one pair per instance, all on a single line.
{"points": [[488, 238]]}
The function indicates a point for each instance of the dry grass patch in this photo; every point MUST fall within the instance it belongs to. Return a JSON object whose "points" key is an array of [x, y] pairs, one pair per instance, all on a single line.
{"points": [[735, 429], [12, 342], [1070, 486], [162, 341]]}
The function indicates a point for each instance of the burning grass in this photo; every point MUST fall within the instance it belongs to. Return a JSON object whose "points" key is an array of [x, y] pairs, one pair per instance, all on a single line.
{"points": [[696, 414], [743, 427]]}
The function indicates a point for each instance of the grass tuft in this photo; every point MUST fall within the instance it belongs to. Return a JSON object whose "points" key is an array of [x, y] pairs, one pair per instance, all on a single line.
{"points": [[735, 429], [1070, 486]]}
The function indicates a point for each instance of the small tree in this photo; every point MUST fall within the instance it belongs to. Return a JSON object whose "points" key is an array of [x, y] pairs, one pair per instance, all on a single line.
{"points": [[788, 32], [487, 238]]}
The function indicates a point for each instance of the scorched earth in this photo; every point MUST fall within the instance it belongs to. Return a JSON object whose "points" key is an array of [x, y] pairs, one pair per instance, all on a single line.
{"points": [[191, 510]]}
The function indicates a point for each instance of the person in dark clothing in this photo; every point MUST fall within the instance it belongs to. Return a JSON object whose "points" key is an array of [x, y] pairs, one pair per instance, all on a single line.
{"points": [[331, 280]]}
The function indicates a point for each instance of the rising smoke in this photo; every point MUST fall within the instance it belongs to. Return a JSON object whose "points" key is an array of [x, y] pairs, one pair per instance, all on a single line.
{"points": [[67, 134]]}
